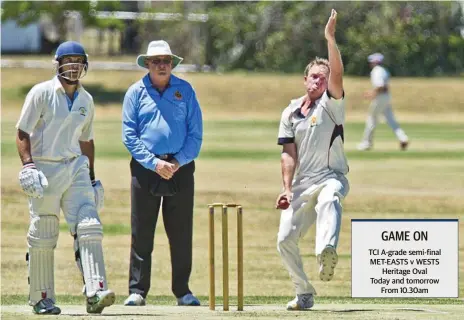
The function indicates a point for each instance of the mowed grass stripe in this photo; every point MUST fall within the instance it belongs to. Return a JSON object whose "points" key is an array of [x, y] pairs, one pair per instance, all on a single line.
{"points": [[420, 131], [250, 130], [110, 131], [351, 154], [9, 150], [251, 139], [249, 300]]}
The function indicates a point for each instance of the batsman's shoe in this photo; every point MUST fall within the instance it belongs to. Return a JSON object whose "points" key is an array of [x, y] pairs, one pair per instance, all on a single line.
{"points": [[135, 299], [100, 301], [301, 302], [328, 260], [404, 145], [188, 300], [364, 146], [46, 306]]}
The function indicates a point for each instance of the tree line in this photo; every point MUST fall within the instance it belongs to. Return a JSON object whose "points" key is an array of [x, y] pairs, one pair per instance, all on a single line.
{"points": [[417, 38]]}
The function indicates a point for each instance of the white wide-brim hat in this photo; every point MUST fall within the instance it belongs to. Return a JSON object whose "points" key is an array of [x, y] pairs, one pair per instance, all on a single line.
{"points": [[158, 48], [375, 57]]}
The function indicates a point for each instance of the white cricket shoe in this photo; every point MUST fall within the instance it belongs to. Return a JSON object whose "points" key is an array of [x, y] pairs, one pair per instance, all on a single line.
{"points": [[364, 146], [328, 260], [301, 302], [135, 299], [101, 300]]}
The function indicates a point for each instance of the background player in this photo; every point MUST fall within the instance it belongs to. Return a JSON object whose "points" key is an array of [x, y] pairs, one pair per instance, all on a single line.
{"points": [[381, 103]]}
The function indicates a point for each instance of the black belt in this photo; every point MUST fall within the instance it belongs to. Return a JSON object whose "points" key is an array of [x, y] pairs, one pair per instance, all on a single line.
{"points": [[165, 157]]}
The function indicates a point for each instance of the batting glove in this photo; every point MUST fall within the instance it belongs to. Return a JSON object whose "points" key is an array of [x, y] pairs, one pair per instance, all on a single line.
{"points": [[32, 181]]}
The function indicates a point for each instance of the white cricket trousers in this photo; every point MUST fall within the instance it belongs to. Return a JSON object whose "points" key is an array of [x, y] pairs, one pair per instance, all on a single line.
{"points": [[321, 203], [69, 189], [382, 104]]}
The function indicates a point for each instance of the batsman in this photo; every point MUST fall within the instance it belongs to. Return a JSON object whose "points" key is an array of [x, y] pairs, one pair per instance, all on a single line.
{"points": [[313, 166], [55, 143]]}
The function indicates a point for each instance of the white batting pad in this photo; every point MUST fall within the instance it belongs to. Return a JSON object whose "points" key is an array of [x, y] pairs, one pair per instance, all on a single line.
{"points": [[99, 195], [42, 238], [89, 240]]}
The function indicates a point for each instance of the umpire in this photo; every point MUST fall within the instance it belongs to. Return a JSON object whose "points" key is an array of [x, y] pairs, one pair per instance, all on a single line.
{"points": [[162, 129]]}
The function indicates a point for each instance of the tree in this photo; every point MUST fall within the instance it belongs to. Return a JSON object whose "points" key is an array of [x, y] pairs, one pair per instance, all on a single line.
{"points": [[26, 12], [417, 38]]}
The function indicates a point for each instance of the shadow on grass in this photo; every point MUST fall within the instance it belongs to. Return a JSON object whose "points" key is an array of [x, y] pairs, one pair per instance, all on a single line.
{"points": [[101, 95]]}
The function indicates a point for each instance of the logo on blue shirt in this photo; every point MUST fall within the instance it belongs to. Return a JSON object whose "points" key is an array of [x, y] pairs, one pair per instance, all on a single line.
{"points": [[178, 95]]}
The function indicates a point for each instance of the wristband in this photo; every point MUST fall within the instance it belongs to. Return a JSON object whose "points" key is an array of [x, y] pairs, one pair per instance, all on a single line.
{"points": [[29, 165], [92, 176]]}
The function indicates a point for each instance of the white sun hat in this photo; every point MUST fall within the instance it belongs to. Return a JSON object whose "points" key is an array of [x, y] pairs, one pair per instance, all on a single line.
{"points": [[375, 57], [158, 48]]}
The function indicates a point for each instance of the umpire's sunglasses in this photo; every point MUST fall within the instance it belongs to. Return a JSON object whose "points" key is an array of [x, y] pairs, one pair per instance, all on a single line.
{"points": [[157, 61]]}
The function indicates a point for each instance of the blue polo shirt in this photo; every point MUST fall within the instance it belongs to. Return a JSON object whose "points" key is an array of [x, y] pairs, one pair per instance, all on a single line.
{"points": [[70, 102], [157, 124]]}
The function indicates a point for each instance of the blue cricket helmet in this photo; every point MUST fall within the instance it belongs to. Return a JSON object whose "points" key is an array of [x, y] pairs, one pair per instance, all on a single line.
{"points": [[70, 48], [75, 71]]}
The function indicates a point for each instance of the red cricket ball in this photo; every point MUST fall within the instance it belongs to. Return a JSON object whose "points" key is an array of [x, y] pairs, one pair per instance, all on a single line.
{"points": [[283, 204]]}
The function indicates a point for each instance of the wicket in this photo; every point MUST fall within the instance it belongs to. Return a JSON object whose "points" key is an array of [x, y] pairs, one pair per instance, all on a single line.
{"points": [[225, 256]]}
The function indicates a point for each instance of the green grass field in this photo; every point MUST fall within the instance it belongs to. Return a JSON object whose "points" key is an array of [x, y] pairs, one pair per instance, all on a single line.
{"points": [[240, 162]]}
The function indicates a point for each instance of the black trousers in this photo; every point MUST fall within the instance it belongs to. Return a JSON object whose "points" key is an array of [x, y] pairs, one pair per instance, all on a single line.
{"points": [[178, 223]]}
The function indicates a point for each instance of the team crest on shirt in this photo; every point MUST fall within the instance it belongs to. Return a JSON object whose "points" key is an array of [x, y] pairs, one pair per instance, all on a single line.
{"points": [[313, 121], [178, 95], [82, 111]]}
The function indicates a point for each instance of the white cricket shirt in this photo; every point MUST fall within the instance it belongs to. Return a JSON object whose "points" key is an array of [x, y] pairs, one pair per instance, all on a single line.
{"points": [[55, 130], [379, 76], [318, 137]]}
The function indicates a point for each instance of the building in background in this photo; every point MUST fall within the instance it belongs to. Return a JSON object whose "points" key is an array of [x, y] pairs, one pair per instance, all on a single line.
{"points": [[16, 39]]}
